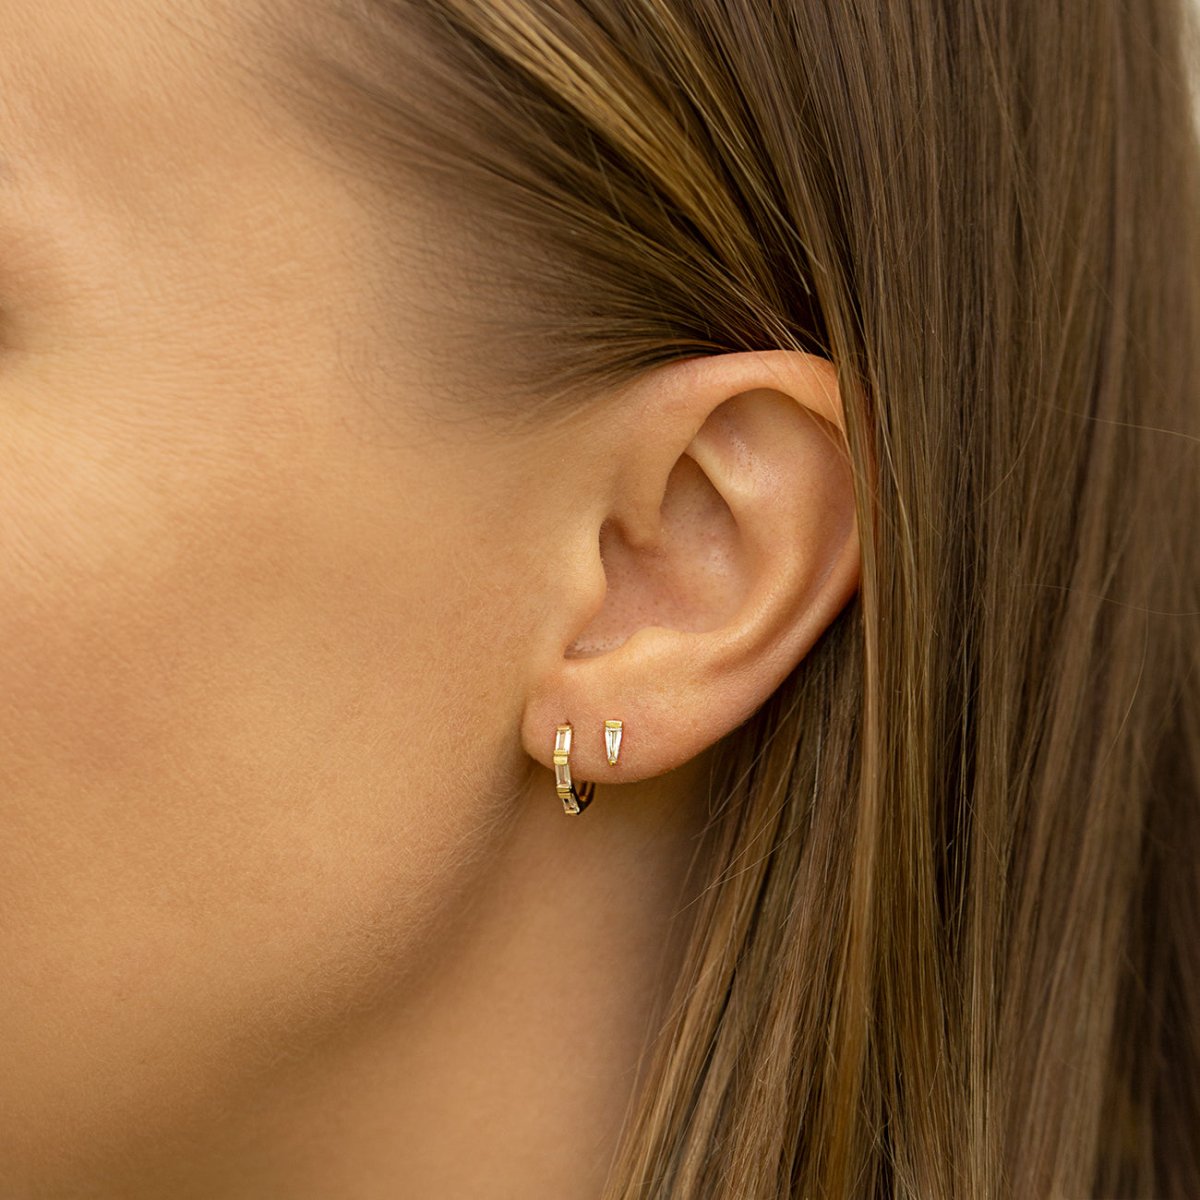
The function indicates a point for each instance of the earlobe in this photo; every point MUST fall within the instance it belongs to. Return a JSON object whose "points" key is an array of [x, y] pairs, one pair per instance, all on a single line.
{"points": [[728, 546]]}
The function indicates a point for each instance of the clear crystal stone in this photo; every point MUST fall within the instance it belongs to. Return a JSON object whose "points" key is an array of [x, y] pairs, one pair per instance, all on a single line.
{"points": [[612, 741]]}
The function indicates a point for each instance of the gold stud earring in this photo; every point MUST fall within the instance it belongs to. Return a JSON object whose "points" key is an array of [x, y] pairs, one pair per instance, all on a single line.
{"points": [[574, 799], [612, 741]]}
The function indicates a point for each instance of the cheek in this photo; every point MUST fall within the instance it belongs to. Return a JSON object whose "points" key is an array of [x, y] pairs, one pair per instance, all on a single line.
{"points": [[236, 684]]}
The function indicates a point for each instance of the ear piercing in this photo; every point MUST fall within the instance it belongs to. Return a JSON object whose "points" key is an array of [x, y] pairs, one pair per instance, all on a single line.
{"points": [[612, 741], [576, 797], [575, 800]]}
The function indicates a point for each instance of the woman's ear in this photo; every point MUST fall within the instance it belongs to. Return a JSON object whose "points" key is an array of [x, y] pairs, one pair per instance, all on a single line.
{"points": [[716, 544]]}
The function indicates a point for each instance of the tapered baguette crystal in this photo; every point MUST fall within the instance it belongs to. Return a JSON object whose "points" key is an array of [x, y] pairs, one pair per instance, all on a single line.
{"points": [[575, 797], [612, 739]]}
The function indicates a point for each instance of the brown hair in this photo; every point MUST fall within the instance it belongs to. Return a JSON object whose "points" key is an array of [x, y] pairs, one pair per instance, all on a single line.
{"points": [[950, 942]]}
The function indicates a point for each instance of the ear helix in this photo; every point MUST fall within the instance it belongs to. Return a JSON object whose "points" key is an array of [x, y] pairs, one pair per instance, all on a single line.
{"points": [[576, 797]]}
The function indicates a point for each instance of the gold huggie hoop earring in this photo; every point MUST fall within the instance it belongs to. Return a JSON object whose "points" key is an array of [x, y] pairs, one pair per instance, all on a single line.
{"points": [[612, 741], [575, 800]]}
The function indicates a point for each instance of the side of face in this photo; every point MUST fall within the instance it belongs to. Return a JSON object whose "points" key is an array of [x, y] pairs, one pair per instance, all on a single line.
{"points": [[249, 599], [279, 644]]}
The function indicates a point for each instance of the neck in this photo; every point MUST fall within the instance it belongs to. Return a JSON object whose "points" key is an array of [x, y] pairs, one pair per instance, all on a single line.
{"points": [[505, 1066]]}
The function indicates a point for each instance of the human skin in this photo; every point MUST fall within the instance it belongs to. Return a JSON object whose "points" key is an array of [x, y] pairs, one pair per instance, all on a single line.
{"points": [[288, 903]]}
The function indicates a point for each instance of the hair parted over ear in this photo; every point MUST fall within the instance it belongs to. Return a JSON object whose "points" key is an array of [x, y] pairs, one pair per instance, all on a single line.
{"points": [[721, 547]]}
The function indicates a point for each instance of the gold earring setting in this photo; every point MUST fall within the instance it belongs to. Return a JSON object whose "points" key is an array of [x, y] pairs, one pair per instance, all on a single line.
{"points": [[612, 741], [576, 797]]}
